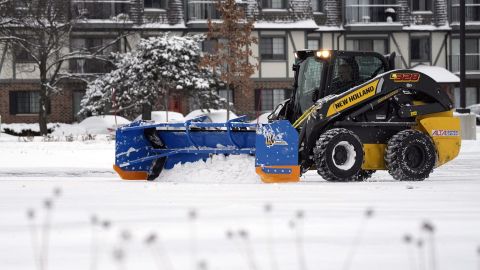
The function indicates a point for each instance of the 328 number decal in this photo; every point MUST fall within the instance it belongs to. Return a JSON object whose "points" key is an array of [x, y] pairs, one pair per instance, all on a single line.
{"points": [[405, 77]]}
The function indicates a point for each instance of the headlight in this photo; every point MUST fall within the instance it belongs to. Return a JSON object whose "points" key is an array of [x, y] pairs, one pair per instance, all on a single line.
{"points": [[323, 54]]}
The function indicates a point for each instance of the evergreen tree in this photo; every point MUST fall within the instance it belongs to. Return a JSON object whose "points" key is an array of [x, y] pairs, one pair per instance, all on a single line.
{"points": [[158, 66]]}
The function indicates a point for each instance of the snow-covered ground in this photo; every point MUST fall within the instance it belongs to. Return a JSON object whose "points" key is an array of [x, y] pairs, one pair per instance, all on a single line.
{"points": [[229, 201]]}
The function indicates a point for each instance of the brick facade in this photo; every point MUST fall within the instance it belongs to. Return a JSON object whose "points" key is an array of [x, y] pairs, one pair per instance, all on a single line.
{"points": [[61, 105], [245, 100], [333, 9], [440, 12]]}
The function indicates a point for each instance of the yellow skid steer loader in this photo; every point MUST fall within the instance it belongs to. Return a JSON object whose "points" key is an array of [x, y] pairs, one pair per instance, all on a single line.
{"points": [[350, 113]]}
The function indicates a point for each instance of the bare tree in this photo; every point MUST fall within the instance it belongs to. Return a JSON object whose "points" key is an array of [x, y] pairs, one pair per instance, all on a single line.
{"points": [[230, 55], [42, 28]]}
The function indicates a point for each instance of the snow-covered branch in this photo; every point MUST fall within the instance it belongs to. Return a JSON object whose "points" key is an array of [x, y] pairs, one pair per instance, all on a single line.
{"points": [[160, 65]]}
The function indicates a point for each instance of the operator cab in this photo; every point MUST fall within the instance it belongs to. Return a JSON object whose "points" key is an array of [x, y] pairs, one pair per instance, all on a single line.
{"points": [[328, 72]]}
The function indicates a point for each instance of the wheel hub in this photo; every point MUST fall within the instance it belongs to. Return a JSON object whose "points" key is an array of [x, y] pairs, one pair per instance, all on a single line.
{"points": [[340, 156], [343, 155], [414, 156]]}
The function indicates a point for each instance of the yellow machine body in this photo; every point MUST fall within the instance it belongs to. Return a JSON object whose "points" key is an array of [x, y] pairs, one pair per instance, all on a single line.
{"points": [[443, 128]]}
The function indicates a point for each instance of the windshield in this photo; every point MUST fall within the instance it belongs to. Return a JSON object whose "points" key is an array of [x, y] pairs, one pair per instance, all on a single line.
{"points": [[309, 80]]}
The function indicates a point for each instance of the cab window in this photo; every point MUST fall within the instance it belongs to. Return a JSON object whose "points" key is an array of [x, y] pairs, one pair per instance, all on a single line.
{"points": [[345, 74], [309, 81], [350, 71], [369, 67]]}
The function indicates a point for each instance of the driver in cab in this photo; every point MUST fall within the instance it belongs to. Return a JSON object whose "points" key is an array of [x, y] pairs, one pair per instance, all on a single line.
{"points": [[344, 81]]}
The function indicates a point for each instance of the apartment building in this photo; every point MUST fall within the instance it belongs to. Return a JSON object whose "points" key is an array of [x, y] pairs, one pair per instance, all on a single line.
{"points": [[472, 48], [419, 31]]}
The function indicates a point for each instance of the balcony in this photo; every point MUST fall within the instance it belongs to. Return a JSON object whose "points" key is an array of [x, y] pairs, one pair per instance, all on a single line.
{"points": [[202, 10], [116, 10], [472, 62], [472, 11], [372, 13]]}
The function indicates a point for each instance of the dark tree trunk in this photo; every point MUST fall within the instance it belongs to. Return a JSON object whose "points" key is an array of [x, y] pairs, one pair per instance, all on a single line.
{"points": [[43, 101], [42, 114]]}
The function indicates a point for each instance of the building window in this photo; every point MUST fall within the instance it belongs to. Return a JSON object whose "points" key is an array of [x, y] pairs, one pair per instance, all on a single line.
{"points": [[202, 10], [272, 48], [421, 5], [276, 4], [313, 44], [472, 11], [420, 48], [472, 53], [155, 4], [23, 56], [222, 93], [25, 102], [317, 5], [77, 100], [371, 11], [471, 96], [267, 99], [368, 45], [92, 45], [103, 10], [209, 45]]}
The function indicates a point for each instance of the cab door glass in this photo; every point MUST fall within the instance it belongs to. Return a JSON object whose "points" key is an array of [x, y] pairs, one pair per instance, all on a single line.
{"points": [[309, 82], [369, 66], [345, 74], [350, 71]]}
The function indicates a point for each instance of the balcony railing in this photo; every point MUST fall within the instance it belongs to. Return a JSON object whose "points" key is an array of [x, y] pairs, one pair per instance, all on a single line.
{"points": [[472, 62], [371, 12], [101, 9], [472, 10], [202, 10]]}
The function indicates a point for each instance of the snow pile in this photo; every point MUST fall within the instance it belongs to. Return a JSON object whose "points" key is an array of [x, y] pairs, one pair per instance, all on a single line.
{"points": [[103, 124], [161, 117], [238, 169], [93, 125], [213, 115], [74, 129]]}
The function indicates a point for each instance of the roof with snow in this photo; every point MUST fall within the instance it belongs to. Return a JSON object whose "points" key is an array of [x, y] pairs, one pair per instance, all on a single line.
{"points": [[439, 74]]}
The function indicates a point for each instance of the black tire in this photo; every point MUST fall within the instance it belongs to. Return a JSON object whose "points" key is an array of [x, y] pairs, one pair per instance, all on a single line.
{"points": [[158, 164], [364, 175], [410, 155], [338, 155]]}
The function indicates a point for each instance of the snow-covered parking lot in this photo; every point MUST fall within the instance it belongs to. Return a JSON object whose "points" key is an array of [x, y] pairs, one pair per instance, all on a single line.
{"points": [[219, 213]]}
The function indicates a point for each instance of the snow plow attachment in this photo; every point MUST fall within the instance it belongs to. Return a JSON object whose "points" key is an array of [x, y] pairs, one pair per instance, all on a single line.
{"points": [[143, 149]]}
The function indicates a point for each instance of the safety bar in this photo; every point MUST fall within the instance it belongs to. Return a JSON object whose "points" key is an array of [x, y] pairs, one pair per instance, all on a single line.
{"points": [[233, 123], [229, 129]]}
